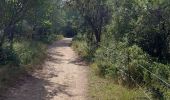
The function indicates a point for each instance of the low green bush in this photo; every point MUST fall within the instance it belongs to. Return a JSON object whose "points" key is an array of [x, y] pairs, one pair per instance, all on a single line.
{"points": [[131, 66], [7, 56], [28, 52], [59, 37], [80, 45], [83, 48], [49, 38]]}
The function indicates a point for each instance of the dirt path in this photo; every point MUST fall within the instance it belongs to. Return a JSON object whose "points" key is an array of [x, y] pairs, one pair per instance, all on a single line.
{"points": [[63, 77]]}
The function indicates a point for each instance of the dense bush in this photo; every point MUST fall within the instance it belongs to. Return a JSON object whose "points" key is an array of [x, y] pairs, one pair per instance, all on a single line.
{"points": [[132, 66], [28, 52], [113, 59], [128, 65], [49, 38], [80, 45], [7, 56]]}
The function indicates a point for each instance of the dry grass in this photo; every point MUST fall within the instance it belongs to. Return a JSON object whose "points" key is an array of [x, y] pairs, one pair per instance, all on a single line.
{"points": [[104, 89]]}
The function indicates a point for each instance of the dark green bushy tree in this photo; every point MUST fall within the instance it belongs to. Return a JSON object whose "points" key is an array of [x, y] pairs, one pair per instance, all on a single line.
{"points": [[96, 14], [12, 12], [153, 29]]}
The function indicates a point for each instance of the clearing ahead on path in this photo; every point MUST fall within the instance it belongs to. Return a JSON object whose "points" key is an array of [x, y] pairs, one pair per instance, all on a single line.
{"points": [[63, 77]]}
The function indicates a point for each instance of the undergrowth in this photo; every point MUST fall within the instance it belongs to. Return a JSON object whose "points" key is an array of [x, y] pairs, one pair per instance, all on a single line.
{"points": [[101, 88], [106, 89], [127, 65]]}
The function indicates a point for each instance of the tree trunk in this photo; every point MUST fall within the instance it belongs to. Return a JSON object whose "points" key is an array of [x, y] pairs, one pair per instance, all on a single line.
{"points": [[98, 36], [2, 39], [11, 37], [3, 36], [7, 32]]}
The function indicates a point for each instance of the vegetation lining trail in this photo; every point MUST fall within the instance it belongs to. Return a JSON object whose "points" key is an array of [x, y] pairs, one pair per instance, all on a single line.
{"points": [[63, 77]]}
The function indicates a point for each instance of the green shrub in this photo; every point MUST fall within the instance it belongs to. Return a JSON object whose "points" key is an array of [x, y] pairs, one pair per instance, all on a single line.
{"points": [[158, 80], [7, 56], [105, 57], [59, 37], [81, 47], [131, 66], [49, 38], [28, 52]]}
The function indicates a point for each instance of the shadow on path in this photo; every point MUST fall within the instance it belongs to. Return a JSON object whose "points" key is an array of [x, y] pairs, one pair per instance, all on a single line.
{"points": [[59, 77], [39, 89]]}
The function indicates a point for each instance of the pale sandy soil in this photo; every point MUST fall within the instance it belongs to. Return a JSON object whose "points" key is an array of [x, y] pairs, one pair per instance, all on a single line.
{"points": [[63, 77]]}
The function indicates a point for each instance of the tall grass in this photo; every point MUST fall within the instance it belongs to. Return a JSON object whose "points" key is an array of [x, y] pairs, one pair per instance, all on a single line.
{"points": [[105, 89]]}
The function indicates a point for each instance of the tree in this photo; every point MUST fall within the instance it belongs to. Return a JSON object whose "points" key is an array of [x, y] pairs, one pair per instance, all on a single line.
{"points": [[96, 14], [12, 12], [153, 30]]}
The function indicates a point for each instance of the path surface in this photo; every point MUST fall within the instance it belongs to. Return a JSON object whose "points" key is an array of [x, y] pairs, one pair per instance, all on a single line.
{"points": [[63, 77]]}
